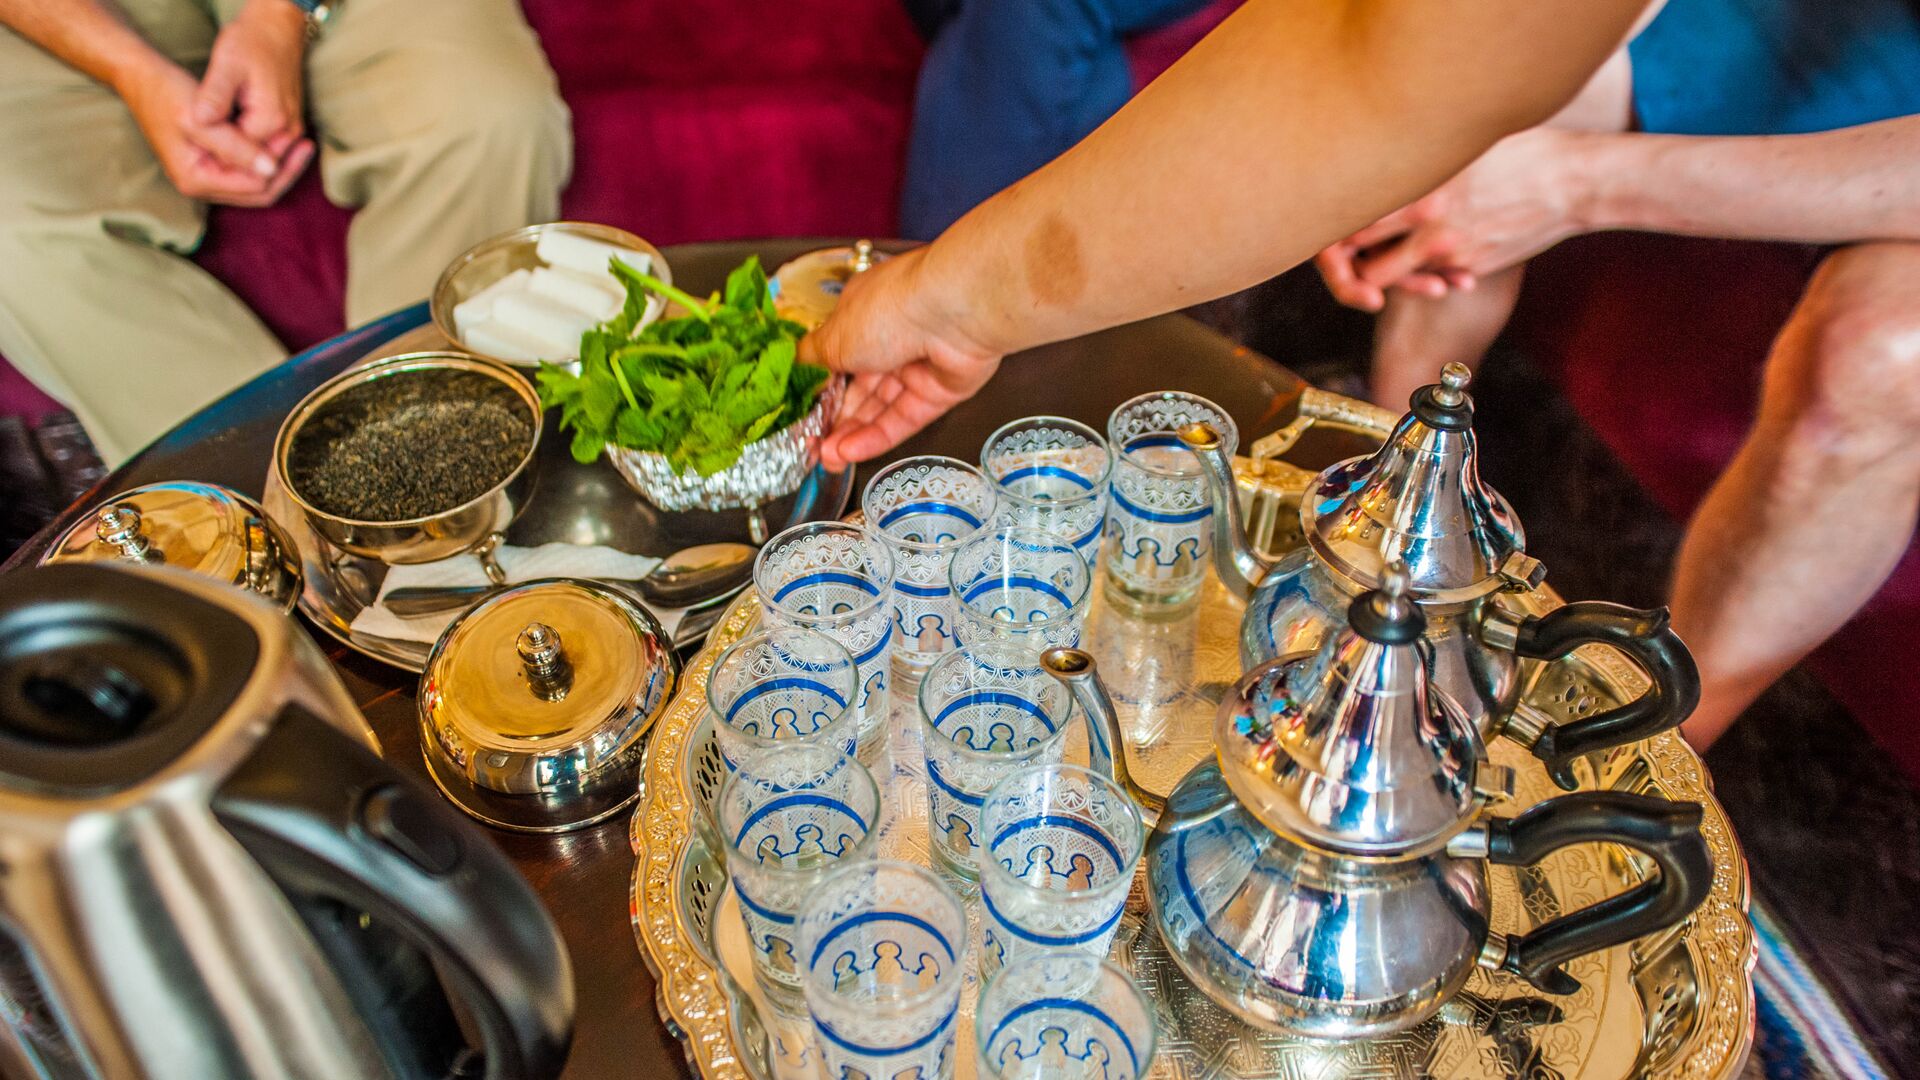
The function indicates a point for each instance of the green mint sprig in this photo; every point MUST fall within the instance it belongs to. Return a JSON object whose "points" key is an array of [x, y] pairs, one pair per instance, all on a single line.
{"points": [[698, 387]]}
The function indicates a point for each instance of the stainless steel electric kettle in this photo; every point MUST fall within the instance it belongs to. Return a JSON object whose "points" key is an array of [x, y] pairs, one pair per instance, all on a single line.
{"points": [[1419, 501], [209, 871], [1326, 874]]}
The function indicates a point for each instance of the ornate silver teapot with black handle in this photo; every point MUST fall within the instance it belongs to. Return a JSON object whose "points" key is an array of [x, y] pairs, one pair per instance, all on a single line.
{"points": [[1419, 501], [1326, 874]]}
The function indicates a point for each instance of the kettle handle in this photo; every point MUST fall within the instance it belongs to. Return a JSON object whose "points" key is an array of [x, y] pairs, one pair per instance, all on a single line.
{"points": [[326, 817], [1645, 635], [1667, 832]]}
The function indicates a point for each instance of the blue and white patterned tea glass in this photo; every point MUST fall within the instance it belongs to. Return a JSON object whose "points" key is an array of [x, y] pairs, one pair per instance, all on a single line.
{"points": [[836, 578], [986, 711], [925, 508], [1058, 848], [782, 841], [1159, 538], [1021, 586], [779, 689], [1064, 1017], [884, 945], [1052, 474]]}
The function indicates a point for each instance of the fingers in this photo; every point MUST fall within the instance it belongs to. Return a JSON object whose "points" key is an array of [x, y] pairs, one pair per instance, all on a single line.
{"points": [[868, 396], [219, 90], [1336, 269], [1398, 223], [901, 421], [291, 166], [225, 143], [1386, 266]]}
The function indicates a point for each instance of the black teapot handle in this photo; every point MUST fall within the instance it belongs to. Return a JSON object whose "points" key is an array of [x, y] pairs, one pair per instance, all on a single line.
{"points": [[1667, 832], [1645, 636]]}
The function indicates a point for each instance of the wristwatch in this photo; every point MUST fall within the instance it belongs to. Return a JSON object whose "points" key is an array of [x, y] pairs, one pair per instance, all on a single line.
{"points": [[318, 13]]}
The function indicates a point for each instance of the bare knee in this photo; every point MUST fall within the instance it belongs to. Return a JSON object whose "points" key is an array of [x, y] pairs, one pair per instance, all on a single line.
{"points": [[1845, 376]]}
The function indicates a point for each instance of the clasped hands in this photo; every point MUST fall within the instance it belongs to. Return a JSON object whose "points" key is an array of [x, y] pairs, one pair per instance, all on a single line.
{"points": [[1518, 199], [236, 135]]}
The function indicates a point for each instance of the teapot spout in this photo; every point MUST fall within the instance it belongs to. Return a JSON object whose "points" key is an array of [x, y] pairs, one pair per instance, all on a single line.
{"points": [[1106, 746], [1234, 560]]}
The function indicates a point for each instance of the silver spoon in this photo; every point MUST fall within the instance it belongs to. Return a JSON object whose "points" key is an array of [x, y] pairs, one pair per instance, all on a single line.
{"points": [[690, 577]]}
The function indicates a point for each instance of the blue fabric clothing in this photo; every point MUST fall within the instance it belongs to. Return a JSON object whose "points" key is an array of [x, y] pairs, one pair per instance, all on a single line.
{"points": [[1776, 67], [1007, 85]]}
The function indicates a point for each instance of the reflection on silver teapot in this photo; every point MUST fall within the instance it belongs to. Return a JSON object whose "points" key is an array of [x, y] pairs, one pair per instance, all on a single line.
{"points": [[1419, 501], [1326, 875]]}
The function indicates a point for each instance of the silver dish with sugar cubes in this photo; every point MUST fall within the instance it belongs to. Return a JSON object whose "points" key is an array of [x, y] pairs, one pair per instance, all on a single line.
{"points": [[526, 296]]}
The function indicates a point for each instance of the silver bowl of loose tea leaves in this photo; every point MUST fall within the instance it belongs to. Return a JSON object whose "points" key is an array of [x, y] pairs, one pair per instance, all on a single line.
{"points": [[412, 459]]}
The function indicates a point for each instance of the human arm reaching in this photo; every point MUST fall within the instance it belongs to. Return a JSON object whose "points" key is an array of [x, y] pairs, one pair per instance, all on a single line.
{"points": [[1542, 186], [232, 137], [1291, 125]]}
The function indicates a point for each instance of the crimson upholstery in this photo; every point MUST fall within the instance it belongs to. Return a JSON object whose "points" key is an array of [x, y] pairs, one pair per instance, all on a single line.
{"points": [[693, 120], [1659, 344]]}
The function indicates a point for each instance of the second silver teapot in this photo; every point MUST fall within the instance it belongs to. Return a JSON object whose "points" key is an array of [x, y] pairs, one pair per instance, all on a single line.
{"points": [[1419, 501], [1326, 874]]}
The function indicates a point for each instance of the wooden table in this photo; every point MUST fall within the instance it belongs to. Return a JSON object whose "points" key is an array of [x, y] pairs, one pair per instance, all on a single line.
{"points": [[583, 876]]}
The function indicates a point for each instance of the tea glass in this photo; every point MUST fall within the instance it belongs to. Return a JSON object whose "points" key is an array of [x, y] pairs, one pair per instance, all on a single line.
{"points": [[1021, 586], [1052, 475], [779, 689], [986, 711], [1158, 513], [924, 508], [783, 840], [836, 578], [1058, 848], [1064, 1017], [883, 946]]}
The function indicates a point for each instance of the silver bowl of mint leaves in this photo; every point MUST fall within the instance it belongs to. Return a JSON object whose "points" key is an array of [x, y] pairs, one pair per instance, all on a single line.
{"points": [[706, 410]]}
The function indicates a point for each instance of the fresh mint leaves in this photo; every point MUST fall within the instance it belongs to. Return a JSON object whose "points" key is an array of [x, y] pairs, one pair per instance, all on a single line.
{"points": [[698, 387]]}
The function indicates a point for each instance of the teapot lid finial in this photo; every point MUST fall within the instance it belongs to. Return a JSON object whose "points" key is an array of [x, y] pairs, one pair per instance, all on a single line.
{"points": [[1418, 500]]}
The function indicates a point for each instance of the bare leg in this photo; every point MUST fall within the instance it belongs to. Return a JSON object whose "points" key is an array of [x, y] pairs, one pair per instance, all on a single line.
{"points": [[1416, 336], [1820, 503]]}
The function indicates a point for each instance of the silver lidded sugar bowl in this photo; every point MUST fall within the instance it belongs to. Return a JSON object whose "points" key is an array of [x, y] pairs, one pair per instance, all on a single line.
{"points": [[1419, 501], [1326, 875], [208, 529]]}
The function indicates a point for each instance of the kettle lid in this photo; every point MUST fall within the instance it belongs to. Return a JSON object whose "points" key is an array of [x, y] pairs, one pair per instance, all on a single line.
{"points": [[1419, 500], [207, 529], [1352, 749], [533, 703]]}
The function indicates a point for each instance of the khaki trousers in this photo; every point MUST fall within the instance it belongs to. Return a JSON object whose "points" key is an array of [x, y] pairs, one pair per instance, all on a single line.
{"points": [[438, 120]]}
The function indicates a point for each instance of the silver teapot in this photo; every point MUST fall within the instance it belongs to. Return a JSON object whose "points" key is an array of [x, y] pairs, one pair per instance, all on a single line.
{"points": [[1419, 501], [1326, 874]]}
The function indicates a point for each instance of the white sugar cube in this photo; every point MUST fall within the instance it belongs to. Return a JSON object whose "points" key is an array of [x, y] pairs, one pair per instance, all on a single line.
{"points": [[505, 342], [554, 325], [596, 295], [476, 309], [588, 256]]}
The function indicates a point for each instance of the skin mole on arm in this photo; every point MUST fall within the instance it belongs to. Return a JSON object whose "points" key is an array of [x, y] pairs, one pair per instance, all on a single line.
{"points": [[1056, 274]]}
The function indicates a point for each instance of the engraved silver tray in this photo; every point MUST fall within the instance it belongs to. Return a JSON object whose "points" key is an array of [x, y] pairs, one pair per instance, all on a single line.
{"points": [[1676, 1004]]}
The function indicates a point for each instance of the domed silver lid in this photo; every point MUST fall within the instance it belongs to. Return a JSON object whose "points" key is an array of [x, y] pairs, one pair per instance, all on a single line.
{"points": [[205, 528], [1351, 749], [1419, 500]]}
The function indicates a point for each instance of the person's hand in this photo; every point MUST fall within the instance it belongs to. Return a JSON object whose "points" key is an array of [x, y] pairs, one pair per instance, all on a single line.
{"points": [[908, 367], [212, 161], [254, 76], [1519, 199]]}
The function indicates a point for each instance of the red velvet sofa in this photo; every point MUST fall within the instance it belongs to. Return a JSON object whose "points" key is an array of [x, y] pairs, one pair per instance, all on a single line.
{"points": [[694, 120]]}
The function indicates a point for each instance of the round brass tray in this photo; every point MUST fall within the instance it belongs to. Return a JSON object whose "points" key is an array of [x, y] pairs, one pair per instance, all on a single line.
{"points": [[1678, 1004]]}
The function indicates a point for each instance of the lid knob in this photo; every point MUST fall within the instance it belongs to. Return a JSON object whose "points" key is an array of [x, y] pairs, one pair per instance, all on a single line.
{"points": [[548, 671], [1387, 615], [1453, 384], [120, 526], [862, 256]]}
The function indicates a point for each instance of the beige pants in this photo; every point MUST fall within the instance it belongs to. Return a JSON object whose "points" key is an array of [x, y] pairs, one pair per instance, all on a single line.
{"points": [[438, 120]]}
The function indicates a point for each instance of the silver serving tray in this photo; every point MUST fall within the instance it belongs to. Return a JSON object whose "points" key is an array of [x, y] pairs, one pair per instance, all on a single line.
{"points": [[1678, 1004], [572, 503]]}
